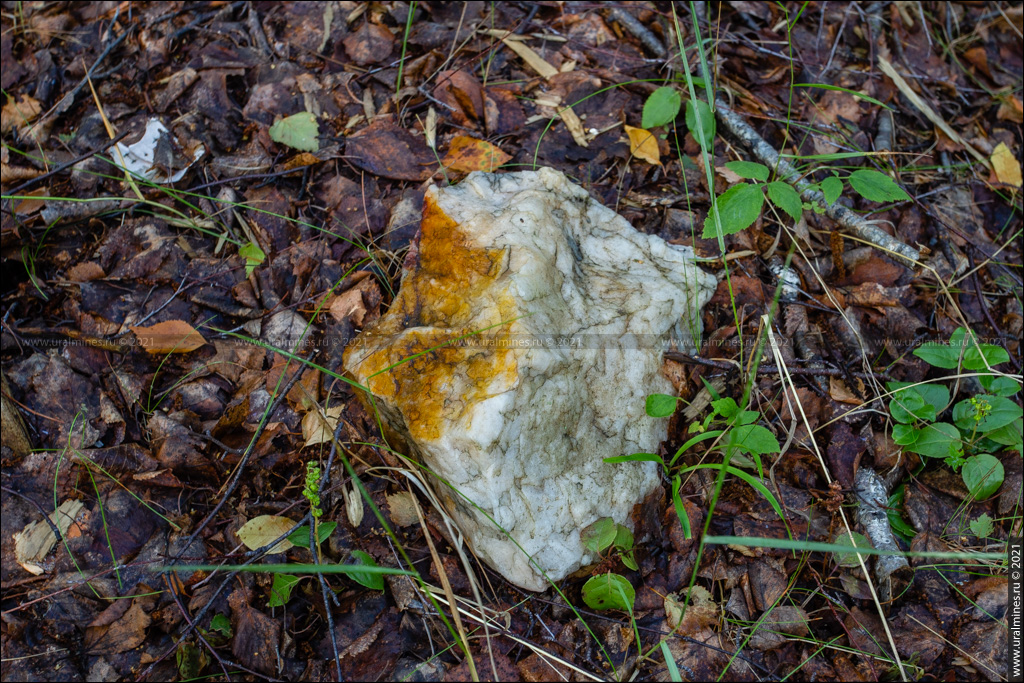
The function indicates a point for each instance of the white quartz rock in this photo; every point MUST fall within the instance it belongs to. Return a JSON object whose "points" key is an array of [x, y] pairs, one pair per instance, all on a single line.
{"points": [[558, 310]]}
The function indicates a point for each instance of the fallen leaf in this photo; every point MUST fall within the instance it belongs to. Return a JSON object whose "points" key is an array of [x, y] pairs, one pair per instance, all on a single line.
{"points": [[839, 391], [370, 44], [402, 507], [298, 131], [262, 530], [643, 145], [124, 633], [1006, 165], [1011, 110], [18, 114], [173, 336], [384, 149], [317, 428], [466, 154]]}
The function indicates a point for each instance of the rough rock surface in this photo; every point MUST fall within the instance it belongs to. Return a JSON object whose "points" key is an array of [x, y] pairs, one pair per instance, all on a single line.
{"points": [[554, 308]]}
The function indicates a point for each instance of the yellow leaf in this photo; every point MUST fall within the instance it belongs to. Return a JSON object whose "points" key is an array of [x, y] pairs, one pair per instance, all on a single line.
{"points": [[1006, 166], [643, 145], [263, 530], [466, 154], [173, 336]]}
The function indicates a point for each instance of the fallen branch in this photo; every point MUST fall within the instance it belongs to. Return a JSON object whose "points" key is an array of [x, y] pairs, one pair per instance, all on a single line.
{"points": [[892, 572], [846, 218], [767, 155]]}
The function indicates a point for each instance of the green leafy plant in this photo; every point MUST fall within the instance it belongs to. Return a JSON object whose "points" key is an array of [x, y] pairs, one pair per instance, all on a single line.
{"points": [[729, 429], [739, 206], [981, 424], [604, 534]]}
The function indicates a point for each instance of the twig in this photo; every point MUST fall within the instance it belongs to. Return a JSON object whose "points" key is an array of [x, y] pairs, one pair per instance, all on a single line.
{"points": [[767, 155], [66, 165], [892, 571], [846, 218]]}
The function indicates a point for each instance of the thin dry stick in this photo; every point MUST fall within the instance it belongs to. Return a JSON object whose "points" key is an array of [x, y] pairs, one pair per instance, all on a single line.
{"points": [[846, 218]]}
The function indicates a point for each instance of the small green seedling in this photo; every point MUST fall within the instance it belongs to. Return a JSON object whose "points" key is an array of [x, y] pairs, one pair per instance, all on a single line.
{"points": [[604, 534]]}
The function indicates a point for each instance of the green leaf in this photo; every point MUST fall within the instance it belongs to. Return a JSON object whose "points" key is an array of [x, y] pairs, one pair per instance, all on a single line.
{"points": [[982, 526], [600, 535], [983, 475], [748, 169], [999, 386], [904, 435], [371, 581], [629, 561], [253, 255], [876, 187], [755, 439], [907, 406], [281, 590], [699, 110], [831, 187], [670, 664], [677, 503], [999, 413], [726, 407], [221, 624], [661, 107], [938, 354], [1011, 435], [850, 559], [748, 417], [623, 538], [934, 395], [636, 457], [893, 512], [939, 440], [738, 207], [661, 405], [298, 131], [300, 536], [609, 591], [786, 198]]}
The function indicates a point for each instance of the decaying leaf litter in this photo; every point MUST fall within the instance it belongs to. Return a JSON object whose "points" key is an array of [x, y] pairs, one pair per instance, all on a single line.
{"points": [[140, 430]]}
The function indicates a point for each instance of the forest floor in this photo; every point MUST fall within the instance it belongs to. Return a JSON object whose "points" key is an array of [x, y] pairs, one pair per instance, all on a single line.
{"points": [[279, 155]]}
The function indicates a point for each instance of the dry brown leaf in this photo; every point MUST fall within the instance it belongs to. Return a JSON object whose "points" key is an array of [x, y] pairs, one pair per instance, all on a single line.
{"points": [[259, 531], [546, 70], [1006, 165], [173, 336], [317, 428], [19, 114], [466, 154], [839, 391], [1011, 110], [643, 145], [402, 507]]}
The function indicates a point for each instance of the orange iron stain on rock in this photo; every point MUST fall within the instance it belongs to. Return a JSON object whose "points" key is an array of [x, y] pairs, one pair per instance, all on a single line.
{"points": [[431, 328]]}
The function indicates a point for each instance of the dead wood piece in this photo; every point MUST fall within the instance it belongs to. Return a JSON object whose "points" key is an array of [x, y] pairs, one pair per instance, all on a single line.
{"points": [[892, 572]]}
